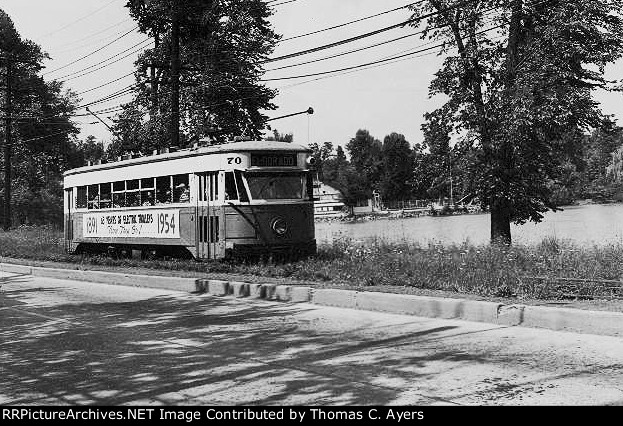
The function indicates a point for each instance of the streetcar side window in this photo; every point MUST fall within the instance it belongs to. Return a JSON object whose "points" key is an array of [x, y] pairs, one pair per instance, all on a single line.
{"points": [[132, 194], [147, 192], [81, 198], [118, 199], [181, 192], [105, 196], [163, 190], [118, 195], [93, 194]]}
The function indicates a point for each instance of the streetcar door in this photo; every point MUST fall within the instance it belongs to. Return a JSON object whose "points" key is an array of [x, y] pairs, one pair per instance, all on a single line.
{"points": [[210, 224], [69, 222]]}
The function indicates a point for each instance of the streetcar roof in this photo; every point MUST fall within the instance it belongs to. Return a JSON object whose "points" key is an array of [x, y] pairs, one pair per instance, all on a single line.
{"points": [[244, 146]]}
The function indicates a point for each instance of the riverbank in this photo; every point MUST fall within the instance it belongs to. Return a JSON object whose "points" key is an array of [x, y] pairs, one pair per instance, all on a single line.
{"points": [[549, 271]]}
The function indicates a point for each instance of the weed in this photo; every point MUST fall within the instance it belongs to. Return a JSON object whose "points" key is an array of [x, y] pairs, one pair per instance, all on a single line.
{"points": [[552, 269]]}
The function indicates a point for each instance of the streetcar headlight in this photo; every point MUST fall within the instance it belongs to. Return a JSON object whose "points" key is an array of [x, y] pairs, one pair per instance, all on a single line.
{"points": [[279, 226], [311, 161]]}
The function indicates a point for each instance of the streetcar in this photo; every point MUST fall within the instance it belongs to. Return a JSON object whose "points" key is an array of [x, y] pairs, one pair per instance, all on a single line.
{"points": [[209, 202]]}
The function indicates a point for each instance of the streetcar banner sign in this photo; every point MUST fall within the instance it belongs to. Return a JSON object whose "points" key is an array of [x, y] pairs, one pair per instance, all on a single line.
{"points": [[135, 223]]}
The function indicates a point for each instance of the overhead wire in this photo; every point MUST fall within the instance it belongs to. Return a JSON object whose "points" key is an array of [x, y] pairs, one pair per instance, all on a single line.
{"points": [[105, 62], [350, 22], [345, 69], [283, 2], [79, 19], [365, 35], [485, 12], [87, 37], [278, 58], [391, 59], [92, 53]]}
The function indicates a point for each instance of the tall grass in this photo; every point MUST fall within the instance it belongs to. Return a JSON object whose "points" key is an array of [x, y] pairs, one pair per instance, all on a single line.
{"points": [[552, 269], [33, 242]]}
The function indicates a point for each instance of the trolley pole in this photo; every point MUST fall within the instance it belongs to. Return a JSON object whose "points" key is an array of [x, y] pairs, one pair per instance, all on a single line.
{"points": [[309, 111], [97, 116]]}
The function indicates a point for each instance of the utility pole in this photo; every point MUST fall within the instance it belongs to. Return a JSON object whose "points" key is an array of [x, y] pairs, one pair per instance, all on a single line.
{"points": [[154, 83], [175, 76], [7, 145]]}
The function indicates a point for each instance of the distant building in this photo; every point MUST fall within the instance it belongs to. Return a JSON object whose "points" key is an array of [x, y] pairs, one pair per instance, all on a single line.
{"points": [[329, 201]]}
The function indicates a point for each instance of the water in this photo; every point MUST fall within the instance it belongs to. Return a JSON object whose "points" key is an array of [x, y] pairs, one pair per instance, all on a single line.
{"points": [[586, 225]]}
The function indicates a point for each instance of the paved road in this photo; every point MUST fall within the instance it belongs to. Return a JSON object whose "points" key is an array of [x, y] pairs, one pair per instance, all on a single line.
{"points": [[72, 343]]}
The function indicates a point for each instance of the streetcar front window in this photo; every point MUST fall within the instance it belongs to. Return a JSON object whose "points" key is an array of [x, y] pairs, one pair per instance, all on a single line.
{"points": [[81, 198], [231, 192], [277, 185]]}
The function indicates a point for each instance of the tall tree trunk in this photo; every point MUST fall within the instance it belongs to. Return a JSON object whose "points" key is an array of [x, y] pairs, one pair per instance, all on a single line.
{"points": [[501, 209], [175, 77], [154, 81], [7, 147], [500, 221]]}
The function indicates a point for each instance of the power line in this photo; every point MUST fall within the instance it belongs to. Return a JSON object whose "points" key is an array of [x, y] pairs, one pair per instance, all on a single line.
{"points": [[79, 19], [283, 2], [65, 132], [290, 55], [366, 64], [344, 53], [362, 36], [105, 84], [485, 12], [351, 22], [81, 73], [121, 92], [384, 61], [92, 53], [81, 39]]}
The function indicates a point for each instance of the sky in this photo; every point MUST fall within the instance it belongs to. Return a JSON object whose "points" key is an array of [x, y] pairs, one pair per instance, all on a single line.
{"points": [[94, 43]]}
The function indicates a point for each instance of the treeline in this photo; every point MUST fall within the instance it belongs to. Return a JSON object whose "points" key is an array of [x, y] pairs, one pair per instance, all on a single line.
{"points": [[592, 168], [200, 79], [37, 134]]}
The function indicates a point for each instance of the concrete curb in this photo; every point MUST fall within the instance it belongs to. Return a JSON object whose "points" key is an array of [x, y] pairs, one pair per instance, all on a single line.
{"points": [[560, 319]]}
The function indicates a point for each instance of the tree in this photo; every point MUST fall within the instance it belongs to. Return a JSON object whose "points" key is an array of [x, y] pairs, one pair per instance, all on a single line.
{"points": [[341, 174], [91, 149], [38, 134], [599, 148], [365, 156], [397, 168], [222, 45], [281, 137], [520, 79], [321, 154]]}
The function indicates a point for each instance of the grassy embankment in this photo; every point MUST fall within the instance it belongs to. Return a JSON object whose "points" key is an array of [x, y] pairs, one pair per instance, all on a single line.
{"points": [[517, 271]]}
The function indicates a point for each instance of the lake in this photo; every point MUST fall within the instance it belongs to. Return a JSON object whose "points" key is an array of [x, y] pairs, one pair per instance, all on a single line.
{"points": [[587, 225]]}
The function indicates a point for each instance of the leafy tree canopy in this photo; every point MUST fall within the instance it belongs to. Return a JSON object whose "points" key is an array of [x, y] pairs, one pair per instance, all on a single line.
{"points": [[222, 47], [518, 76], [40, 142]]}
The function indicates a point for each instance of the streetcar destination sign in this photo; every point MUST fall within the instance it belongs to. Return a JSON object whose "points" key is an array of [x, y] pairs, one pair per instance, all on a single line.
{"points": [[273, 160], [135, 223]]}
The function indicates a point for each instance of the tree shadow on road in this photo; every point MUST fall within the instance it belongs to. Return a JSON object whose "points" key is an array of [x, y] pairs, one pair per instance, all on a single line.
{"points": [[202, 350]]}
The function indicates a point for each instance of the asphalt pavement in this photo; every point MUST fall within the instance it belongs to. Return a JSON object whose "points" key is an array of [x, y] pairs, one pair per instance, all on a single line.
{"points": [[76, 342], [553, 318]]}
